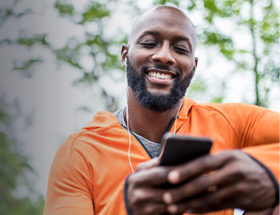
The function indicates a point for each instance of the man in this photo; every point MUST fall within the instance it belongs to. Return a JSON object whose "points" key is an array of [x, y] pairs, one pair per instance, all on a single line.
{"points": [[89, 171]]}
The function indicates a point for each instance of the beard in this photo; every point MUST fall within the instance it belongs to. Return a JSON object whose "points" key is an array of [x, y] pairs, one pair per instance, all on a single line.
{"points": [[156, 102]]}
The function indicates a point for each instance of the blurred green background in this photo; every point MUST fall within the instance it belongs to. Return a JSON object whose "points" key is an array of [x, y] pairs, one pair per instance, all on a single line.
{"points": [[60, 63]]}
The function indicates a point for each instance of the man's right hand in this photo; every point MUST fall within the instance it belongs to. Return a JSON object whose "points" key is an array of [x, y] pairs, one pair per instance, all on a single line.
{"points": [[145, 188]]}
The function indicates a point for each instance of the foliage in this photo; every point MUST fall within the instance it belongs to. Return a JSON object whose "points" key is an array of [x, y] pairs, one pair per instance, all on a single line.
{"points": [[263, 29], [64, 8], [95, 11], [94, 44], [31, 41], [13, 174], [257, 58]]}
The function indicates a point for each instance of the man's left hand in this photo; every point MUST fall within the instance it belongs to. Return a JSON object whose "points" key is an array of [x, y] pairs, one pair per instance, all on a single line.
{"points": [[228, 179]]}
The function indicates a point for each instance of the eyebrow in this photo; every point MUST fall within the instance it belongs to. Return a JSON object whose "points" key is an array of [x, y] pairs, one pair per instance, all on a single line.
{"points": [[177, 38]]}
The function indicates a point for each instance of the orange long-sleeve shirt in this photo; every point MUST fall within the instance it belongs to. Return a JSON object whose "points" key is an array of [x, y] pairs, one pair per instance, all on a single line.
{"points": [[89, 169]]}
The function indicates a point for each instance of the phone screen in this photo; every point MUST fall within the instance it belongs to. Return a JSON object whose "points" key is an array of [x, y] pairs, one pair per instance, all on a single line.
{"points": [[178, 149]]}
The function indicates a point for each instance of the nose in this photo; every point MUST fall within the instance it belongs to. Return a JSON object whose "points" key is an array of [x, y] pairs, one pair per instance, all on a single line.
{"points": [[164, 55]]}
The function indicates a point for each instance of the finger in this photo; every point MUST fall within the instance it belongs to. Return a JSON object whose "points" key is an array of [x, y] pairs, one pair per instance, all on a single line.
{"points": [[206, 202], [148, 165], [228, 174], [268, 211], [276, 210], [197, 167], [223, 198], [146, 196], [153, 209], [147, 201], [201, 184], [190, 189], [150, 177]]}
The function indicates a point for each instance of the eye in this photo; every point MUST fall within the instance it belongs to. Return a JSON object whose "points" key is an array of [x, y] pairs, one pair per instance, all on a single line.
{"points": [[149, 44], [181, 50]]}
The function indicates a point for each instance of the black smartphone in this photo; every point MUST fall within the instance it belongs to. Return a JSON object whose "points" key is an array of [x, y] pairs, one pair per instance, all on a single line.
{"points": [[178, 149]]}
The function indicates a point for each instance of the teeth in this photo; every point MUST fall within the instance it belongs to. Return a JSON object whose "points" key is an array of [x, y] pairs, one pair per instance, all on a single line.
{"points": [[160, 75]]}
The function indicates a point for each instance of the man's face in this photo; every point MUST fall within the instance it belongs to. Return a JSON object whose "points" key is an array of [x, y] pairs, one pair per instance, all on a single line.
{"points": [[161, 59]]}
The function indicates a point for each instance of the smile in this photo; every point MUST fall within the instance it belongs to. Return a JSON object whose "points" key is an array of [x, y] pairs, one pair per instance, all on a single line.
{"points": [[160, 74]]}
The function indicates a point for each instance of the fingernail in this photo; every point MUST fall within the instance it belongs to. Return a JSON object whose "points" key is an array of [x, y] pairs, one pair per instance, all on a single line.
{"points": [[173, 177], [172, 209], [167, 198]]}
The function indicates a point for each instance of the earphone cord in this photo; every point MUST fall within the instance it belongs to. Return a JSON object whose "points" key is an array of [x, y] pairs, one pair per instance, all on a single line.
{"points": [[175, 123], [129, 137], [174, 132]]}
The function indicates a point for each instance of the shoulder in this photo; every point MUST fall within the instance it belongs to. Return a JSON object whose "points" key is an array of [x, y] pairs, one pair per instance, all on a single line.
{"points": [[236, 114], [229, 109], [224, 106], [232, 112], [84, 141]]}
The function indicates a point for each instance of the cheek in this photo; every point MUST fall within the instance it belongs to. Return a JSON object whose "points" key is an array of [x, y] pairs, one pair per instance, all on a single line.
{"points": [[186, 65], [137, 59]]}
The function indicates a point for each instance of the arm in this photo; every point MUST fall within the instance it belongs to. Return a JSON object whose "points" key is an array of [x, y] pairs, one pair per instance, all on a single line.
{"points": [[228, 179], [260, 139], [69, 191], [258, 134], [250, 178]]}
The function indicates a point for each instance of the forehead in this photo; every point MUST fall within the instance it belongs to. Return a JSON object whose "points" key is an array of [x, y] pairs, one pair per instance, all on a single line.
{"points": [[166, 21]]}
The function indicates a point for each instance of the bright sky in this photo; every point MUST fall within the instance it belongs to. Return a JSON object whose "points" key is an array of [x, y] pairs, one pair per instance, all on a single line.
{"points": [[52, 100]]}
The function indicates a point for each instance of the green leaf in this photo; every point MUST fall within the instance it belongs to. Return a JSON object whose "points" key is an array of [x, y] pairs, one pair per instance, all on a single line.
{"points": [[217, 99], [70, 54], [64, 8], [95, 11], [13, 174], [27, 64], [163, 2], [31, 41], [191, 5]]}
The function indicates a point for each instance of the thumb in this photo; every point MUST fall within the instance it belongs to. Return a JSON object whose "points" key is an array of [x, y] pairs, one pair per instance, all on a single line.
{"points": [[148, 164]]}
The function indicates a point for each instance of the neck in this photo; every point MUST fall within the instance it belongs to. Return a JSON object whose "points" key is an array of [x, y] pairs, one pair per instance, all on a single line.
{"points": [[149, 124]]}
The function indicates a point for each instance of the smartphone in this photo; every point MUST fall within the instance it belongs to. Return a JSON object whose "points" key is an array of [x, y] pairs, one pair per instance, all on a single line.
{"points": [[178, 149]]}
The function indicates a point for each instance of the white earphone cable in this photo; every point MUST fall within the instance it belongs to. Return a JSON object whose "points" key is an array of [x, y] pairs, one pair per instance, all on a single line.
{"points": [[129, 135], [129, 139], [175, 123]]}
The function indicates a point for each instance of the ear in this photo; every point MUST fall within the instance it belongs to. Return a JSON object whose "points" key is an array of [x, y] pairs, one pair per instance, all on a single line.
{"points": [[195, 64], [124, 52]]}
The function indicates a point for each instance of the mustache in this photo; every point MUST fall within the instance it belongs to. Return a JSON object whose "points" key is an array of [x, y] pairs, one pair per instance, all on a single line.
{"points": [[163, 67]]}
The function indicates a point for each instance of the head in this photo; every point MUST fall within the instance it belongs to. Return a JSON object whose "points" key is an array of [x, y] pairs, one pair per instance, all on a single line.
{"points": [[159, 57]]}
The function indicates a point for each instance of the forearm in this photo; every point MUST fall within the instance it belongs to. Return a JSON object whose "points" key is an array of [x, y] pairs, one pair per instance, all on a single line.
{"points": [[268, 157]]}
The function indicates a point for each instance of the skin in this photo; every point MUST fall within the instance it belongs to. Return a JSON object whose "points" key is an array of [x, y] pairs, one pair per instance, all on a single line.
{"points": [[239, 186], [228, 179], [156, 40]]}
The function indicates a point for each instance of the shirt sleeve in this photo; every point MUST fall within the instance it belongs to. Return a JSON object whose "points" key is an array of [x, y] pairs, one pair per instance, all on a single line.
{"points": [[260, 136], [69, 188], [257, 132]]}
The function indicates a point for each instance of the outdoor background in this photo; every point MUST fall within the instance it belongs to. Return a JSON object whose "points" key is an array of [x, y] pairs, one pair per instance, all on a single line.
{"points": [[60, 64]]}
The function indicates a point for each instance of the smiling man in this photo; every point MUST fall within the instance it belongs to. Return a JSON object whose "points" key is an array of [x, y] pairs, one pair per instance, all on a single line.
{"points": [[162, 59], [107, 167]]}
